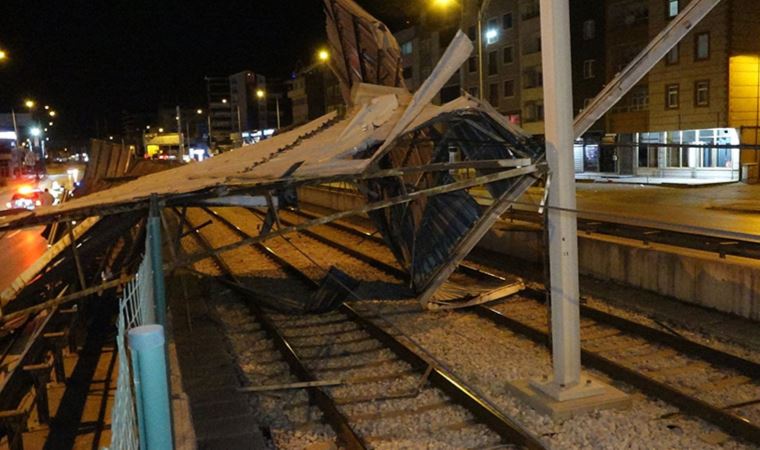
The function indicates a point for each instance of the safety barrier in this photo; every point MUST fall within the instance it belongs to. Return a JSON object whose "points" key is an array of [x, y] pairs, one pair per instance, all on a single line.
{"points": [[141, 415]]}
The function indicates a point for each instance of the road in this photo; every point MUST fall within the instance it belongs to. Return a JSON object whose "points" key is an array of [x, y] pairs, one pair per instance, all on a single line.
{"points": [[18, 250]]}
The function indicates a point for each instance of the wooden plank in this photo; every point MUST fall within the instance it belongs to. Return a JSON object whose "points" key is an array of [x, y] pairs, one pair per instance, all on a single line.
{"points": [[68, 298], [284, 387]]}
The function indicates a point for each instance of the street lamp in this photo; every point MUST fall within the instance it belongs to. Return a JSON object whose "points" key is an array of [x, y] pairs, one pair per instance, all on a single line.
{"points": [[260, 94], [29, 103], [199, 111], [52, 113], [35, 132], [323, 55], [492, 34], [3, 55]]}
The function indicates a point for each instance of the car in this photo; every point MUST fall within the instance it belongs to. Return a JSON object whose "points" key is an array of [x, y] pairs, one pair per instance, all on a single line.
{"points": [[25, 199]]}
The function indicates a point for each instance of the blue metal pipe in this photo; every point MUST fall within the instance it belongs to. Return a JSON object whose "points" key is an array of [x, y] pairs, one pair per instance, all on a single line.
{"points": [[146, 344]]}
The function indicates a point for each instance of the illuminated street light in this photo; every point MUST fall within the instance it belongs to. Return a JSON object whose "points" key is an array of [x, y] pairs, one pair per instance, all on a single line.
{"points": [[160, 130], [3, 55], [110, 138], [491, 35], [323, 55], [260, 93], [51, 113], [35, 132], [147, 127], [224, 100], [45, 130], [29, 103], [47, 107], [443, 4], [50, 124], [199, 111]]}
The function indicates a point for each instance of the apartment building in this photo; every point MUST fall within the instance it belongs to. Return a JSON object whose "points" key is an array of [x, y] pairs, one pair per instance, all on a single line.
{"points": [[686, 119]]}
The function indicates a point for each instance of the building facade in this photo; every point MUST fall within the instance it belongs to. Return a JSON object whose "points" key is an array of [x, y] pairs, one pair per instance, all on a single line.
{"points": [[219, 114]]}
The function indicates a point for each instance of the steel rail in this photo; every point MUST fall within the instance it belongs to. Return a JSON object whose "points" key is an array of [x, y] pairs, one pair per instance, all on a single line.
{"points": [[337, 421], [722, 242], [693, 406], [482, 409], [286, 265], [731, 423], [390, 269]]}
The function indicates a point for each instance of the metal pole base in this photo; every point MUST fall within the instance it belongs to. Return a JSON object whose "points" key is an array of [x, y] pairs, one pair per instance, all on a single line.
{"points": [[563, 402]]}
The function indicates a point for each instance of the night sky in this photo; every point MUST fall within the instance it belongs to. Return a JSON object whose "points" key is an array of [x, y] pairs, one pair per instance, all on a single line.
{"points": [[91, 60]]}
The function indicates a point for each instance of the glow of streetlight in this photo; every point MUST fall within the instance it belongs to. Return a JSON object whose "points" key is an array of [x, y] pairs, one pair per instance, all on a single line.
{"points": [[199, 111], [160, 130], [147, 127], [224, 100], [52, 113], [29, 103], [35, 132], [443, 4], [50, 123], [260, 93], [323, 55], [47, 107], [3, 55], [110, 138]]}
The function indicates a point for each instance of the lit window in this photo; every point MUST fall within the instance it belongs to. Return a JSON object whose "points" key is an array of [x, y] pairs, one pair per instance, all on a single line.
{"points": [[702, 93], [702, 46], [589, 30], [672, 56], [671, 96], [588, 69], [673, 8], [509, 88], [407, 48], [506, 21], [492, 34], [509, 55]]}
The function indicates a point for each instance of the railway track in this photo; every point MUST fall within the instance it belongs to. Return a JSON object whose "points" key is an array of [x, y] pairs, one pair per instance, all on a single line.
{"points": [[697, 240], [383, 392], [716, 386]]}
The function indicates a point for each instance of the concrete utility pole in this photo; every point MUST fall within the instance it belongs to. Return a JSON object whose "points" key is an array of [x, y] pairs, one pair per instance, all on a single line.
{"points": [[563, 234], [179, 133], [567, 392]]}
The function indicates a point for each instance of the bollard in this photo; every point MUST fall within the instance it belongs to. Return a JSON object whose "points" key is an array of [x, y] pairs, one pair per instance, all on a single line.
{"points": [[146, 344]]}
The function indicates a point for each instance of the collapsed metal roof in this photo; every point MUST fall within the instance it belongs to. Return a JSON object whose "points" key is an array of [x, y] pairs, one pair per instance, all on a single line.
{"points": [[394, 145]]}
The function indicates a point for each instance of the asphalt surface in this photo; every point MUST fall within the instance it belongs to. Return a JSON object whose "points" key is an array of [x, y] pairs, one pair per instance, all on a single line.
{"points": [[18, 250]]}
